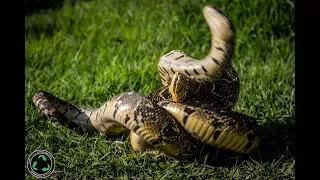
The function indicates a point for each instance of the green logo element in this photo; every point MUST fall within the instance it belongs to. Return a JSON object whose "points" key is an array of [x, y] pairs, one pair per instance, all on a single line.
{"points": [[41, 163]]}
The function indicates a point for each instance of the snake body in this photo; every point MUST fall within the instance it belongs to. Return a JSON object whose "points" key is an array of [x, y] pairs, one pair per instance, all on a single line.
{"points": [[150, 125], [192, 109]]}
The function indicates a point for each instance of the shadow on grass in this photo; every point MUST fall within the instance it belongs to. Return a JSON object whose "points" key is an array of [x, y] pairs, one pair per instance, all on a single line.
{"points": [[38, 6], [47, 26]]}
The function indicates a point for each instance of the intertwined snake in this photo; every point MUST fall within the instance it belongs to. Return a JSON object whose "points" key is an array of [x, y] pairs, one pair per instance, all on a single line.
{"points": [[193, 108]]}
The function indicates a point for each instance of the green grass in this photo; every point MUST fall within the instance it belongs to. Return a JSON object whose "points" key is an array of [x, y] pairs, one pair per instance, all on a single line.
{"points": [[90, 51]]}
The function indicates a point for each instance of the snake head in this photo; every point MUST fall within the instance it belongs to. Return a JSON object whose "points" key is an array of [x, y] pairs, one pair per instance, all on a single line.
{"points": [[179, 87]]}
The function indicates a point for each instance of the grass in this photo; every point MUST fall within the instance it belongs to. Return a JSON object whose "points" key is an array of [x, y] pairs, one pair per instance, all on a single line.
{"points": [[89, 51]]}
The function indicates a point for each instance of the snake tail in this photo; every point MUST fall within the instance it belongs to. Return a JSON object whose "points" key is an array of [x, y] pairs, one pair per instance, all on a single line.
{"points": [[66, 113]]}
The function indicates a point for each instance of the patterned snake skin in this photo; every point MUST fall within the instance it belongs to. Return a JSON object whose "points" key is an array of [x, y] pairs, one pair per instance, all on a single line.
{"points": [[193, 108]]}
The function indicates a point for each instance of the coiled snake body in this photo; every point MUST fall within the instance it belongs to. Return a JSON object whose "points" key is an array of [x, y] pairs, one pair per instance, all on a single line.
{"points": [[193, 108]]}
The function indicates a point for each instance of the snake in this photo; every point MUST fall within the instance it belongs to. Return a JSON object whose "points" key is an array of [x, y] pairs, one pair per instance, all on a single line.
{"points": [[192, 109]]}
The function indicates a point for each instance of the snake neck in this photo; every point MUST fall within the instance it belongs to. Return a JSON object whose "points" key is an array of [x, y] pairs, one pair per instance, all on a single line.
{"points": [[211, 67]]}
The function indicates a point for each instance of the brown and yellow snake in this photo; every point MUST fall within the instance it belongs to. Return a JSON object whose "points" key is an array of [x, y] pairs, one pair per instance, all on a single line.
{"points": [[193, 108]]}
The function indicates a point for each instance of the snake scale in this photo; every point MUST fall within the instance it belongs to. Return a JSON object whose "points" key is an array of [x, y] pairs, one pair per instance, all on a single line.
{"points": [[193, 108]]}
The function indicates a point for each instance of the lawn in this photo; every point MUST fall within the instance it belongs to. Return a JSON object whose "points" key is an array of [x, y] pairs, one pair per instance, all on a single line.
{"points": [[89, 51]]}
